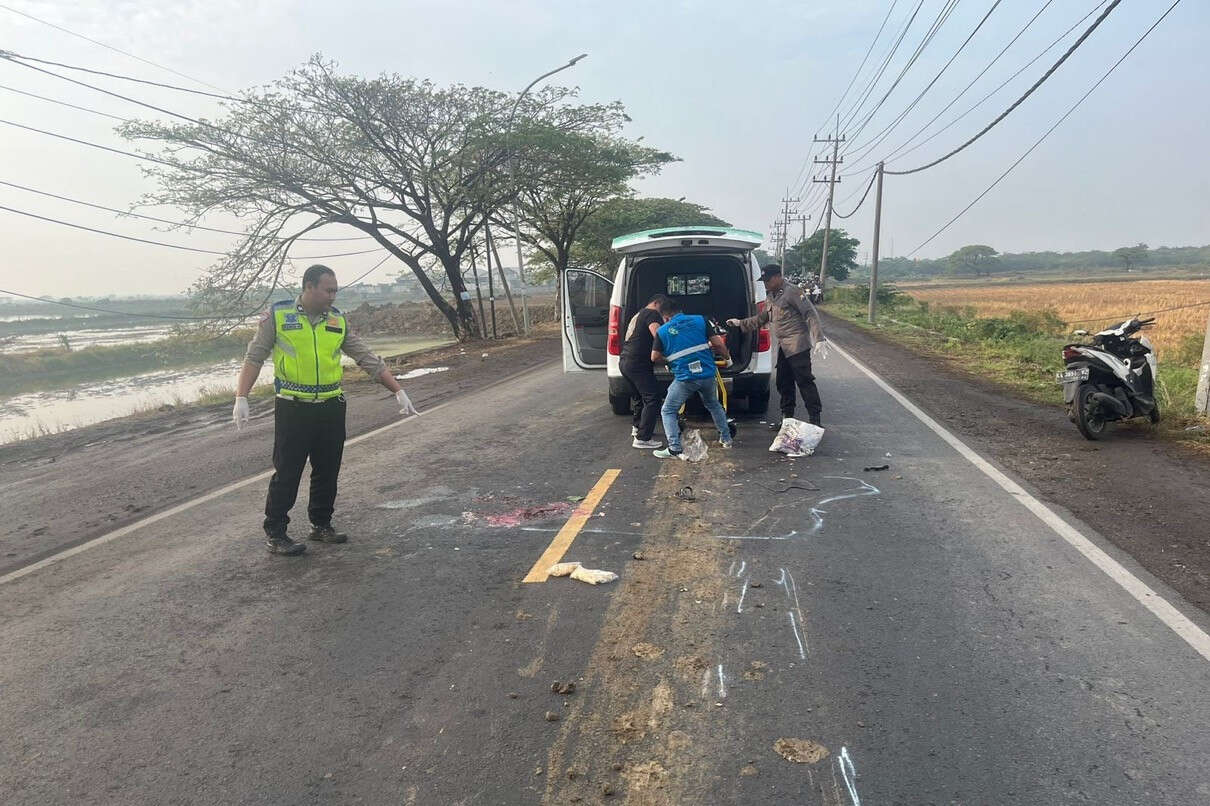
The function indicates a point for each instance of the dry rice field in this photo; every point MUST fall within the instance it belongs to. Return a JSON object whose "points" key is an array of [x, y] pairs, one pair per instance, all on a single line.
{"points": [[1107, 303]]}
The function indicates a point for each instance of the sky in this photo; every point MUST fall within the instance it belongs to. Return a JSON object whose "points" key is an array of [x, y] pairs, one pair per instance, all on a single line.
{"points": [[738, 91]]}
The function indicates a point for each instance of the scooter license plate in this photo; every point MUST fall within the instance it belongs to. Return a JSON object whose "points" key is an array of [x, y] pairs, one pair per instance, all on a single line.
{"points": [[1072, 375]]}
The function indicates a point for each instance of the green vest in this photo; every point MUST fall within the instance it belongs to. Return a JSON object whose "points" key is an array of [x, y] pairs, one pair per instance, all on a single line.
{"points": [[306, 359]]}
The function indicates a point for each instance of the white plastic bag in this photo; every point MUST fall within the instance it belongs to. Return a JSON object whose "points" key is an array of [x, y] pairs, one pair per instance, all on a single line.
{"points": [[693, 447], [796, 438]]}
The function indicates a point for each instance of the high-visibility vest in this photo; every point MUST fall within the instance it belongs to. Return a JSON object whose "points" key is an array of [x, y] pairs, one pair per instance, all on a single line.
{"points": [[306, 359]]}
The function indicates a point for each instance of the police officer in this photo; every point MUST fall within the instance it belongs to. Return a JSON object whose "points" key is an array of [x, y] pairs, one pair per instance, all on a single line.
{"points": [[306, 337], [795, 322]]}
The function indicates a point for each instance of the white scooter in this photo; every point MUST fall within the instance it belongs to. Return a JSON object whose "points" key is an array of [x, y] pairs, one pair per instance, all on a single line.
{"points": [[1113, 378]]}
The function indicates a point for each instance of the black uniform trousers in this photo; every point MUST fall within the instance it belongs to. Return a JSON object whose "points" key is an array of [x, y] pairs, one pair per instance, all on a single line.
{"points": [[646, 397], [795, 371], [303, 431]]}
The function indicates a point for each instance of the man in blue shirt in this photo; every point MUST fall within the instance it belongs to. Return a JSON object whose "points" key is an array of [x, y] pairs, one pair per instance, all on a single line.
{"points": [[686, 344]]}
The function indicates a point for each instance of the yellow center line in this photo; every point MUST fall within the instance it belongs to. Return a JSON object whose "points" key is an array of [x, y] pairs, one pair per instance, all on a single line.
{"points": [[562, 541]]}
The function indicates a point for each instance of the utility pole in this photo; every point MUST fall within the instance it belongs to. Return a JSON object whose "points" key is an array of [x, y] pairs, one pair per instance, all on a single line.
{"points": [[786, 213], [802, 219], [874, 255], [491, 243], [1202, 401], [836, 159]]}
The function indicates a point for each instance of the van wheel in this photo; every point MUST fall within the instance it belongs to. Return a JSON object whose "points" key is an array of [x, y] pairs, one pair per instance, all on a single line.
{"points": [[758, 402], [620, 404]]}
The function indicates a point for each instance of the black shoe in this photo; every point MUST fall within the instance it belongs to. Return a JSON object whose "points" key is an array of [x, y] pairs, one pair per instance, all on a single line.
{"points": [[814, 419], [281, 544], [326, 534]]}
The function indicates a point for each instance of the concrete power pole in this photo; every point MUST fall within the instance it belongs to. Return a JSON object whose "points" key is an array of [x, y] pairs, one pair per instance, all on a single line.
{"points": [[1202, 402], [786, 214], [873, 312], [836, 160]]}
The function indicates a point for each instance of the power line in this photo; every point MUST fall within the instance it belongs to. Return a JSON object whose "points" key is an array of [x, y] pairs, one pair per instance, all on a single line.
{"points": [[108, 47], [126, 98], [852, 80], [160, 220], [886, 132], [1047, 133], [1020, 100], [62, 103], [12, 56], [164, 243], [942, 17], [96, 145], [1146, 313], [864, 196], [973, 81], [848, 116], [110, 310], [899, 151]]}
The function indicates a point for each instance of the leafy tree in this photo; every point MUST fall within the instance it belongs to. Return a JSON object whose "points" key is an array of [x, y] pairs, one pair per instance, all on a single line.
{"points": [[804, 257], [973, 259], [570, 176], [1131, 256], [623, 215], [763, 258], [413, 166]]}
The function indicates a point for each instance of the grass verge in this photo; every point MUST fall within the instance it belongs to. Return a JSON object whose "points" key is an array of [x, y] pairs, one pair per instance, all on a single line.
{"points": [[1021, 352]]}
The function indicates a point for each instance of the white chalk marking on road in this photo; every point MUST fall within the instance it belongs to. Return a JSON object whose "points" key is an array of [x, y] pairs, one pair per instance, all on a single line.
{"points": [[802, 651], [849, 773], [731, 570], [743, 564], [725, 595], [109, 537], [743, 591], [1173, 618], [817, 513], [722, 683], [757, 537]]}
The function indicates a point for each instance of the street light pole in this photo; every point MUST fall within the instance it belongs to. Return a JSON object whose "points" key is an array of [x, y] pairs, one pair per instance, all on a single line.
{"points": [[513, 157]]}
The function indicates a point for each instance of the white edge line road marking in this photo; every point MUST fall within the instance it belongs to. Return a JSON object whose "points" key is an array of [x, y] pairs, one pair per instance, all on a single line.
{"points": [[12, 576], [1176, 621]]}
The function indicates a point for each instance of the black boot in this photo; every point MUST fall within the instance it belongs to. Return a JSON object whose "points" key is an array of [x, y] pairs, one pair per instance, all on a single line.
{"points": [[326, 534], [814, 419], [282, 544]]}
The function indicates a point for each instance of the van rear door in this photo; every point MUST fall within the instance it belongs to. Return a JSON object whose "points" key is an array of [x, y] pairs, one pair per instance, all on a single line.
{"points": [[586, 296]]}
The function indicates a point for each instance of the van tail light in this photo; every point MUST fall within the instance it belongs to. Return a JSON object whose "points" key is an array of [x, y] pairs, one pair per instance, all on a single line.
{"points": [[615, 330], [1071, 354], [763, 342]]}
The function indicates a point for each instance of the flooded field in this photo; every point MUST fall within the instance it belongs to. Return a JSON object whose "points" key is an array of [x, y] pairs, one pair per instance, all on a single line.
{"points": [[37, 413]]}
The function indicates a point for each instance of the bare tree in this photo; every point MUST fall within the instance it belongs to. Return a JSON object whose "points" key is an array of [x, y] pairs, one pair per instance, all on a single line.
{"points": [[413, 166]]}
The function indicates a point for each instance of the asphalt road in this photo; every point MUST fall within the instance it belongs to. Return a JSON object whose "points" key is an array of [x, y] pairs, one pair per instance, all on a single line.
{"points": [[921, 625]]}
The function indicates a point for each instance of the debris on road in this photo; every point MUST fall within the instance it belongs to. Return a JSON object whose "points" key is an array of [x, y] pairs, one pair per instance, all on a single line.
{"points": [[796, 438], [562, 688], [578, 572], [647, 651], [800, 484], [756, 584], [551, 716], [638, 555], [875, 468], [686, 494], [693, 447], [800, 751], [416, 373]]}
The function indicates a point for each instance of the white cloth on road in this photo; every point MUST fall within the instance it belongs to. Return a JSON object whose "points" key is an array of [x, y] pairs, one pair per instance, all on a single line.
{"points": [[577, 571], [796, 438]]}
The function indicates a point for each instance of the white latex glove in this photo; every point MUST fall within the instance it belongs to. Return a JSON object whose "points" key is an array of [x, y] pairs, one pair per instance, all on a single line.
{"points": [[405, 403], [578, 572], [240, 414], [821, 351], [733, 323], [728, 364]]}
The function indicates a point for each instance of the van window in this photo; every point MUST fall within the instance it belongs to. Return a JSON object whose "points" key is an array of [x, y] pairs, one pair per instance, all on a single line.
{"points": [[688, 285]]}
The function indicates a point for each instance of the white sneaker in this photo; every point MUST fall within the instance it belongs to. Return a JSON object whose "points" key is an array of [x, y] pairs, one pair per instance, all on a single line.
{"points": [[664, 453], [727, 445], [634, 431], [646, 443]]}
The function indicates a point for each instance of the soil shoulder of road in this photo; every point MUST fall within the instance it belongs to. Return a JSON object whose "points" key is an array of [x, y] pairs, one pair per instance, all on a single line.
{"points": [[64, 489], [1150, 497]]}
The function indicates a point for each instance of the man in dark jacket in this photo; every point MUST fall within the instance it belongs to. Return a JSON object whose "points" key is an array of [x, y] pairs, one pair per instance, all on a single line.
{"points": [[645, 391], [795, 323]]}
